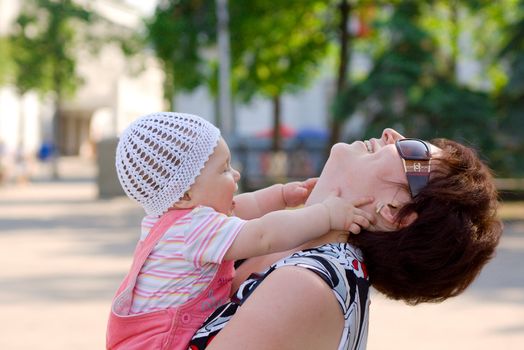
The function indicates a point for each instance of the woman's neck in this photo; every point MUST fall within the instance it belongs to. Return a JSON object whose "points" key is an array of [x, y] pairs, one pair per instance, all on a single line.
{"points": [[328, 183], [330, 237]]}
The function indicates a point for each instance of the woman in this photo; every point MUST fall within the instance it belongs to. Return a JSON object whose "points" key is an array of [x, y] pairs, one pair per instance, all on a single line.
{"points": [[435, 227]]}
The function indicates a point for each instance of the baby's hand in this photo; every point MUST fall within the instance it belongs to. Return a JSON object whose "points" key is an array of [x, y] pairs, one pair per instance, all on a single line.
{"points": [[346, 215], [295, 193]]}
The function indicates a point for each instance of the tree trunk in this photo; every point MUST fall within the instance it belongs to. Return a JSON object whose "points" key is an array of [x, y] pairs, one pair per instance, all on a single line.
{"points": [[55, 127], [21, 125], [21, 166], [345, 37], [455, 31], [169, 87], [277, 137], [227, 125]]}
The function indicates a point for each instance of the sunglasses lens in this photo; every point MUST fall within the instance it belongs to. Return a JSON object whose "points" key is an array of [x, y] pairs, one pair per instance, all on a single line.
{"points": [[413, 149]]}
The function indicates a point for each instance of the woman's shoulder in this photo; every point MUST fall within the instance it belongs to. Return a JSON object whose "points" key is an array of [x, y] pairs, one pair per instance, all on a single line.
{"points": [[292, 304], [298, 288], [328, 259], [341, 267]]}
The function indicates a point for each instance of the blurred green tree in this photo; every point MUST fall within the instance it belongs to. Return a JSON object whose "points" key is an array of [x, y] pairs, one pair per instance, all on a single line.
{"points": [[276, 48], [408, 90], [400, 71], [6, 62], [43, 45], [180, 31], [414, 83], [511, 99], [342, 16]]}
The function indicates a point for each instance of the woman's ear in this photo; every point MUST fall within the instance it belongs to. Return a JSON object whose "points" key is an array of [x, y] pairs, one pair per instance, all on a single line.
{"points": [[389, 213], [386, 212], [408, 220], [185, 202]]}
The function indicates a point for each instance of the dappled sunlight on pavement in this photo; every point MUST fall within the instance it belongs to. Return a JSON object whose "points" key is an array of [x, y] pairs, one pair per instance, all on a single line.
{"points": [[64, 253]]}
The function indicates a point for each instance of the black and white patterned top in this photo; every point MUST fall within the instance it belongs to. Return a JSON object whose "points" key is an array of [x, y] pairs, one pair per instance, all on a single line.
{"points": [[340, 265]]}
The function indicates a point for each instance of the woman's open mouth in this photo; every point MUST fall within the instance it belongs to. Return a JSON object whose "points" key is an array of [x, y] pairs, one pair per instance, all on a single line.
{"points": [[369, 146]]}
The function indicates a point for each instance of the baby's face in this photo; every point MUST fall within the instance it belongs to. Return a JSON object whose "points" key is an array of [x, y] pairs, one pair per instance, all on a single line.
{"points": [[217, 182]]}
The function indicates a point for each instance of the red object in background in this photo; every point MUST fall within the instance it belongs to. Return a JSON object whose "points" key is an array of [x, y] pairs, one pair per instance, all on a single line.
{"points": [[285, 131], [365, 18]]}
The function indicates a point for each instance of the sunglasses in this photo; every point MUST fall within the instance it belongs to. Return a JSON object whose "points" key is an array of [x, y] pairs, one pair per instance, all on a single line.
{"points": [[416, 157]]}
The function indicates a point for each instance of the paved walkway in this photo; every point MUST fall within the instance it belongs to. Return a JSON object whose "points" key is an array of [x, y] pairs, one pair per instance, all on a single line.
{"points": [[64, 251]]}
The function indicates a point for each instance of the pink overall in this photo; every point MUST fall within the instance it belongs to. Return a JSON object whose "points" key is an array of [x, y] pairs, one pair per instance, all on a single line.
{"points": [[171, 328]]}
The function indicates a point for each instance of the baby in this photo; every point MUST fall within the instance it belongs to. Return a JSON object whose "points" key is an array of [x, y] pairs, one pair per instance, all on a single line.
{"points": [[178, 168]]}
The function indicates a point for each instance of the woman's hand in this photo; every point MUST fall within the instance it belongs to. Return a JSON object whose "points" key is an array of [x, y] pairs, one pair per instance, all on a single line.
{"points": [[295, 193]]}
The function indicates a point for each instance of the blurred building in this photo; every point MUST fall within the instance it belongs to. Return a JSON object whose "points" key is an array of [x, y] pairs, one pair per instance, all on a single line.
{"points": [[307, 109], [112, 95], [114, 91]]}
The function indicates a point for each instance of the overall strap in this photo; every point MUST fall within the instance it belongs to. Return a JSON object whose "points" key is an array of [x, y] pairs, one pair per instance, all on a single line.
{"points": [[157, 232]]}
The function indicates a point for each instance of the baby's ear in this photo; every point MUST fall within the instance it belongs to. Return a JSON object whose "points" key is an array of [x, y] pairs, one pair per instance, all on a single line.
{"points": [[185, 202]]}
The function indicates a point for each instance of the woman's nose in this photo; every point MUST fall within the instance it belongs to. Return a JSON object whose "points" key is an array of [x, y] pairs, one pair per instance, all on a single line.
{"points": [[390, 136]]}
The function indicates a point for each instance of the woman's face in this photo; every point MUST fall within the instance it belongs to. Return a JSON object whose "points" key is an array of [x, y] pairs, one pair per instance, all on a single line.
{"points": [[367, 168]]}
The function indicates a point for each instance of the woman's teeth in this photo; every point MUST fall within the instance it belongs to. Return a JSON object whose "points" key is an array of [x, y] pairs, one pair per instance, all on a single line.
{"points": [[368, 146]]}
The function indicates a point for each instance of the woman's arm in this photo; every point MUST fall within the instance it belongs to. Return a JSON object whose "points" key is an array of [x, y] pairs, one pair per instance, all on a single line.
{"points": [[292, 309]]}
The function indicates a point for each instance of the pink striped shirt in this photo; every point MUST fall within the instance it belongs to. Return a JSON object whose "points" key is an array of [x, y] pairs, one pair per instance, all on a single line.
{"points": [[185, 259]]}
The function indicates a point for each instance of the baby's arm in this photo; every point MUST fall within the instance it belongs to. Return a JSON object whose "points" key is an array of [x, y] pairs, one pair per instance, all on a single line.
{"points": [[253, 205], [286, 229]]}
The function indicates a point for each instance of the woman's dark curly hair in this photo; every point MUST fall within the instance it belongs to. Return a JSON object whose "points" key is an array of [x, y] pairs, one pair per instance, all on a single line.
{"points": [[454, 236]]}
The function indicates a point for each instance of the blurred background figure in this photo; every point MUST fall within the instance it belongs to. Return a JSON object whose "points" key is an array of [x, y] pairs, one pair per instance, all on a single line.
{"points": [[22, 167], [45, 152], [3, 166]]}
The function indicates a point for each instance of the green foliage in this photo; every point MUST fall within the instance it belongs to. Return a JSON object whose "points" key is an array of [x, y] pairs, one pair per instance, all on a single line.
{"points": [[511, 99], [417, 48], [43, 46], [276, 46], [399, 73], [6, 62], [481, 23], [408, 89], [179, 31], [457, 112]]}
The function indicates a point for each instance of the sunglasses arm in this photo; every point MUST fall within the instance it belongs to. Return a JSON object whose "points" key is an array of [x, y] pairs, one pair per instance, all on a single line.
{"points": [[417, 173]]}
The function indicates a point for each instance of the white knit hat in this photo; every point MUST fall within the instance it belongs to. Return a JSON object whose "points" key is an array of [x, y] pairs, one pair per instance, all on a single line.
{"points": [[160, 155]]}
